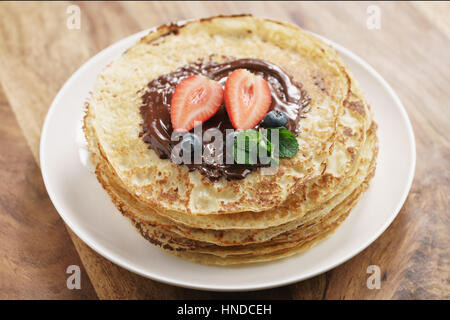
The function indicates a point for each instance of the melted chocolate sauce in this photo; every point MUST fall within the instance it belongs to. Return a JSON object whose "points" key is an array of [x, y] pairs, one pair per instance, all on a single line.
{"points": [[287, 96]]}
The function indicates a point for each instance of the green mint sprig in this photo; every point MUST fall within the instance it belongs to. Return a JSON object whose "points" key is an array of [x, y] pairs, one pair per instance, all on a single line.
{"points": [[248, 145]]}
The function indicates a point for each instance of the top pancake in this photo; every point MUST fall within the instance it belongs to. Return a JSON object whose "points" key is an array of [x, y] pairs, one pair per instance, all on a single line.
{"points": [[116, 98]]}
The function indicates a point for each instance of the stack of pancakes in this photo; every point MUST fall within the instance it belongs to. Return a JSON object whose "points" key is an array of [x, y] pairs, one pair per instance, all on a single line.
{"points": [[261, 217]]}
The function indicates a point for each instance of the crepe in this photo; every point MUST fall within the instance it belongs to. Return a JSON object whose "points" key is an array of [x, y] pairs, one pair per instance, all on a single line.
{"points": [[139, 212], [165, 185], [258, 218]]}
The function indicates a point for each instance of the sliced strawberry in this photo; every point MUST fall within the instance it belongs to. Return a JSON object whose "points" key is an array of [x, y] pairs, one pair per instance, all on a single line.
{"points": [[195, 100], [247, 98]]}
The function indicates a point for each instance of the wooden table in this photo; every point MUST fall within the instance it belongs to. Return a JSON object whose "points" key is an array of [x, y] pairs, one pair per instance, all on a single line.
{"points": [[38, 53]]}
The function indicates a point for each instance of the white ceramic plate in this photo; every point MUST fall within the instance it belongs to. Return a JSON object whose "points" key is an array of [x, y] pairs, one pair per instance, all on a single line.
{"points": [[87, 209]]}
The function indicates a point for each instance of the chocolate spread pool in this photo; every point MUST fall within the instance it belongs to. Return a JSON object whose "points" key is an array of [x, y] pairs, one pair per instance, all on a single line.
{"points": [[287, 96]]}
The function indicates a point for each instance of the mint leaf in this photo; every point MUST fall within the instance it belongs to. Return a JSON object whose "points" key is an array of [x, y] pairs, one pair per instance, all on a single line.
{"points": [[248, 144], [246, 147], [287, 142]]}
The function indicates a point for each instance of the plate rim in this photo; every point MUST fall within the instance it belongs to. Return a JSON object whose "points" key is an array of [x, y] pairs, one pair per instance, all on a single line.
{"points": [[223, 288]]}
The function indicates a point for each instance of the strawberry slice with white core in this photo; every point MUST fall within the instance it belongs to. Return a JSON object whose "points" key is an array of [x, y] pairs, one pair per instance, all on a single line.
{"points": [[195, 100], [247, 99]]}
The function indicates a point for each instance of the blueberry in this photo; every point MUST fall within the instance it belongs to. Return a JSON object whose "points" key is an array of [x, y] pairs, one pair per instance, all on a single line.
{"points": [[275, 118], [190, 143]]}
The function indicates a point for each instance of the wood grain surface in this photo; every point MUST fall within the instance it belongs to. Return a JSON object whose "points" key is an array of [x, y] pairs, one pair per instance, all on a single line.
{"points": [[38, 53]]}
